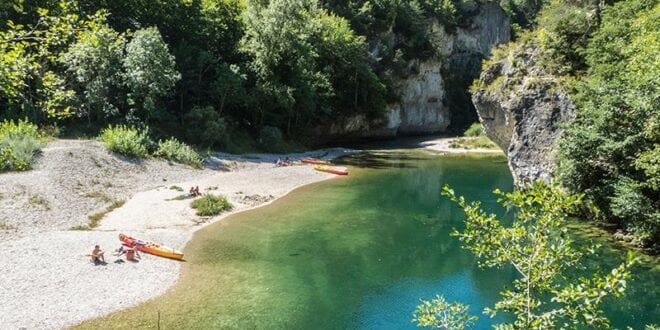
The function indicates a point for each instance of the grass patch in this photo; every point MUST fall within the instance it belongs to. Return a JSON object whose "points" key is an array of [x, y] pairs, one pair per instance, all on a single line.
{"points": [[474, 130], [479, 142], [209, 205], [177, 188], [96, 218], [6, 226], [19, 142], [38, 201], [174, 150], [126, 140], [100, 196]]}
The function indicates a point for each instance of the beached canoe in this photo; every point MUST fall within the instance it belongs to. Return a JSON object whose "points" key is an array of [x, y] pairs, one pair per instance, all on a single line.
{"points": [[151, 248], [314, 161], [331, 169]]}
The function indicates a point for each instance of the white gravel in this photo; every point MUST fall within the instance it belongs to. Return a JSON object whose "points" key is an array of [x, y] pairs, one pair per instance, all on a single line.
{"points": [[46, 279]]}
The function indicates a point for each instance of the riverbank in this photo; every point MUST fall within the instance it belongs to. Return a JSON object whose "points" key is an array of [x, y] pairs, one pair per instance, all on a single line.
{"points": [[47, 279]]}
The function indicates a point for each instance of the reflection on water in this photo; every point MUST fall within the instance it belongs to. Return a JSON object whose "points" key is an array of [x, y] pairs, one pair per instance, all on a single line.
{"points": [[355, 252]]}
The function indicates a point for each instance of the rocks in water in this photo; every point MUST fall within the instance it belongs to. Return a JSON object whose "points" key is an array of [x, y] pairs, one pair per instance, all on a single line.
{"points": [[522, 108]]}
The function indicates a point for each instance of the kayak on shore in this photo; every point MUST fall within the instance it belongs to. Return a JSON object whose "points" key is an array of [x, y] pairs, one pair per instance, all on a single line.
{"points": [[314, 161], [331, 169], [151, 248]]}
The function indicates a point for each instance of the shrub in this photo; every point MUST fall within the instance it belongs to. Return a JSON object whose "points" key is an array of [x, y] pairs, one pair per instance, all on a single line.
{"points": [[19, 142], [270, 136], [205, 127], [127, 141], [474, 130], [209, 205], [179, 152]]}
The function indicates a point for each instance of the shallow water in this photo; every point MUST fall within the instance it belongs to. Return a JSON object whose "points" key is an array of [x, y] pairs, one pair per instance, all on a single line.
{"points": [[355, 252]]}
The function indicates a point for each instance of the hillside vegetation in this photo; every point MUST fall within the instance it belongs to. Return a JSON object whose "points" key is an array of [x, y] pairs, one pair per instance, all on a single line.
{"points": [[605, 55], [215, 73]]}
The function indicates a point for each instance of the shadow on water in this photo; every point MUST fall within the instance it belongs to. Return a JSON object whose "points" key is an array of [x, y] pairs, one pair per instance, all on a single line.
{"points": [[380, 160]]}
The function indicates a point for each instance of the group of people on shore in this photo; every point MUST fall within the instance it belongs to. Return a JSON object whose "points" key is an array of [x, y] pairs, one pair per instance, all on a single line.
{"points": [[98, 255], [284, 162], [194, 191]]}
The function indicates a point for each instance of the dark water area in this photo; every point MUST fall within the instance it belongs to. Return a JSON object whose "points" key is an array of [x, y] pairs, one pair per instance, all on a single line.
{"points": [[356, 253]]}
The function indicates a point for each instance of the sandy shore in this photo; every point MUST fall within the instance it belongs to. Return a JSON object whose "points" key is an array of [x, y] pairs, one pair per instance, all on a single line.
{"points": [[442, 145], [46, 279]]}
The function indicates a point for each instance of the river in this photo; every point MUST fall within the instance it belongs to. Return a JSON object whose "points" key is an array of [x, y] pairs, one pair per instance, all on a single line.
{"points": [[356, 253]]}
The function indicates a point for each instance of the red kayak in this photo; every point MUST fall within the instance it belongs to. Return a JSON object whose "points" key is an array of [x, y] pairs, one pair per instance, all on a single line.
{"points": [[314, 161], [151, 248]]}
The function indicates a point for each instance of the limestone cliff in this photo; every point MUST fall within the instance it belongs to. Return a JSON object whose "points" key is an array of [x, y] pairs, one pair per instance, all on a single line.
{"points": [[421, 87], [522, 109]]}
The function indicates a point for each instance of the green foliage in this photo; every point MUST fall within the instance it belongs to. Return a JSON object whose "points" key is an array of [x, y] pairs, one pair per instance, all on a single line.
{"points": [[29, 55], [209, 205], [94, 61], [535, 244], [150, 71], [610, 151], [440, 314], [309, 64], [173, 149], [126, 140], [19, 142], [476, 129], [479, 142], [270, 137], [205, 127]]}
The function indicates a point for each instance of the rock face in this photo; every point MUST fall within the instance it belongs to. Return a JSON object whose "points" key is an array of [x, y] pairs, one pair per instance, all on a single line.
{"points": [[522, 109], [421, 108]]}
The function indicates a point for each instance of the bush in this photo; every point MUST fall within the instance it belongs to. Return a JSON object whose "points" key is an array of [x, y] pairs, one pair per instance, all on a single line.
{"points": [[127, 141], [19, 142], [205, 127], [179, 152], [270, 136], [211, 205], [474, 130]]}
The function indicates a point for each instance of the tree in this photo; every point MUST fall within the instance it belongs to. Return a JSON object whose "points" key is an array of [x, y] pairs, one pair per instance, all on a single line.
{"points": [[609, 151], [546, 294], [31, 79], [94, 61], [149, 71]]}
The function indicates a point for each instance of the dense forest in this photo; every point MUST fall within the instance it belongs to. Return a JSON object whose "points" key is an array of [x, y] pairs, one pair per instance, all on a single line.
{"points": [[236, 71]]}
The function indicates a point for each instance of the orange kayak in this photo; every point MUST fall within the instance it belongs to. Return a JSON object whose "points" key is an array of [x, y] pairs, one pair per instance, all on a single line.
{"points": [[314, 161], [151, 248], [332, 169]]}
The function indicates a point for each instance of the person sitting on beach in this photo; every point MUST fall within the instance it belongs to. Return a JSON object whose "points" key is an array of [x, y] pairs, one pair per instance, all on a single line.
{"points": [[130, 253], [196, 192], [97, 255]]}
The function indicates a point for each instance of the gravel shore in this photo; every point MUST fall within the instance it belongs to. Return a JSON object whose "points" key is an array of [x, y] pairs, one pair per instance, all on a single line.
{"points": [[46, 277]]}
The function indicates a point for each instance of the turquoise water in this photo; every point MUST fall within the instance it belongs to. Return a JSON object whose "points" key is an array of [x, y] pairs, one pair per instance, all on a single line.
{"points": [[356, 252]]}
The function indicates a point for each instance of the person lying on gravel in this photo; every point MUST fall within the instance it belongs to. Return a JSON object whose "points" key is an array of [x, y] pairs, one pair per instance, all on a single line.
{"points": [[97, 255]]}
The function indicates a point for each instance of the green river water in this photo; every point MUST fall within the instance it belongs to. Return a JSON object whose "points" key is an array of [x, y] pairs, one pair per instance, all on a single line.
{"points": [[355, 253]]}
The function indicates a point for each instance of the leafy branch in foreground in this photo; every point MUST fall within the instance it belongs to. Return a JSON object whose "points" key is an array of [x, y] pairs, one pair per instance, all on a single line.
{"points": [[545, 295], [440, 314]]}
